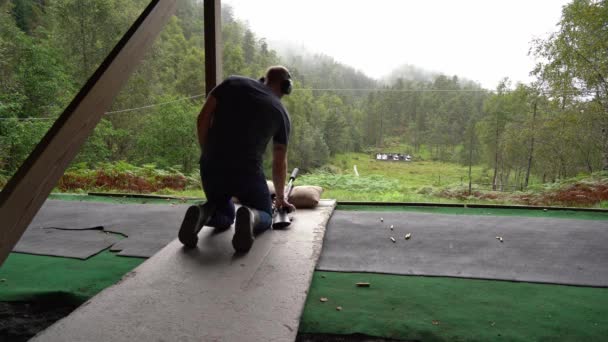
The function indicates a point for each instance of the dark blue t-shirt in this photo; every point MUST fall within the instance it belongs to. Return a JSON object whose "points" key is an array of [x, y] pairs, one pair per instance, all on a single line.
{"points": [[248, 114]]}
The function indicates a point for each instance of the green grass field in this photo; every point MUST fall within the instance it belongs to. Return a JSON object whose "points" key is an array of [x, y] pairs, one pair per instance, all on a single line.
{"points": [[379, 180], [421, 180], [387, 181], [416, 181]]}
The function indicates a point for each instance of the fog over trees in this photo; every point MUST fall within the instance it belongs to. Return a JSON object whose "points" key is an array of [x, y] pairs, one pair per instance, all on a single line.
{"points": [[553, 128]]}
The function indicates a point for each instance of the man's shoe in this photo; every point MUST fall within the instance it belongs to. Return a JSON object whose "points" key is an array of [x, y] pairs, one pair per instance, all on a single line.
{"points": [[196, 217], [243, 229]]}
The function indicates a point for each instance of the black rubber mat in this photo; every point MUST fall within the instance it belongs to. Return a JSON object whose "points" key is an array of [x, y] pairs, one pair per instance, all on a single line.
{"points": [[559, 251], [80, 244], [148, 227]]}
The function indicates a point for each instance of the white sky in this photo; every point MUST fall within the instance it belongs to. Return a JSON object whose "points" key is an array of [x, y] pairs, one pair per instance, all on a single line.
{"points": [[482, 40]]}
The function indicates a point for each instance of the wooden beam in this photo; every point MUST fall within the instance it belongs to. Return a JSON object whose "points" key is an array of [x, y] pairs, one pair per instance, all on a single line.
{"points": [[213, 44], [27, 190]]}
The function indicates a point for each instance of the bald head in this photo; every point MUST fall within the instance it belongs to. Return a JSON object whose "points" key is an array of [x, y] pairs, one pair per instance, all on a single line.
{"points": [[279, 80], [277, 73]]}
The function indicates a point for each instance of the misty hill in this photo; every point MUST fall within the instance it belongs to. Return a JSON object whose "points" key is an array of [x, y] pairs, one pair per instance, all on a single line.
{"points": [[320, 71], [412, 73], [408, 72], [54, 47]]}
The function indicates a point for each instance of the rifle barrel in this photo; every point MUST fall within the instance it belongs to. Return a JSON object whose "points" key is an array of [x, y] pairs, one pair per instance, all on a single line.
{"points": [[293, 176]]}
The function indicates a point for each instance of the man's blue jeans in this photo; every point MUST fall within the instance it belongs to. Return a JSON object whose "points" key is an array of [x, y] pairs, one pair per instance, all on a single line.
{"points": [[248, 184]]}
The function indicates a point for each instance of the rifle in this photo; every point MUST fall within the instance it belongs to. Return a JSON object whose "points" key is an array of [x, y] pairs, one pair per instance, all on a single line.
{"points": [[280, 220]]}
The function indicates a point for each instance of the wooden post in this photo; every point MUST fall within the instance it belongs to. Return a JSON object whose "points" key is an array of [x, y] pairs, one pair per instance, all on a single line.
{"points": [[27, 190], [213, 44]]}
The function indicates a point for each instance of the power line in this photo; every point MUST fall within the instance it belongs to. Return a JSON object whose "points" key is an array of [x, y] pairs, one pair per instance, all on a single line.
{"points": [[392, 90], [154, 105], [26, 119], [572, 92], [328, 89], [117, 111]]}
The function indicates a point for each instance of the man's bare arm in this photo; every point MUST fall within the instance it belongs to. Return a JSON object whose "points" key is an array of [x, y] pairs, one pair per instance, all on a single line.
{"points": [[279, 168], [204, 119], [279, 174]]}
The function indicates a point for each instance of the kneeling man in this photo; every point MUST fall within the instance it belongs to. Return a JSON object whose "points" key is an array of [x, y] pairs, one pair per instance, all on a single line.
{"points": [[239, 118]]}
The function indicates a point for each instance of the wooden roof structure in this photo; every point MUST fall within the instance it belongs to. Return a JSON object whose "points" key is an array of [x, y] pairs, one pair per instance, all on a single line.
{"points": [[30, 186]]}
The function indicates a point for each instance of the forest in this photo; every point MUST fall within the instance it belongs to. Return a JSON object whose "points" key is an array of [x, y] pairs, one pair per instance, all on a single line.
{"points": [[551, 129]]}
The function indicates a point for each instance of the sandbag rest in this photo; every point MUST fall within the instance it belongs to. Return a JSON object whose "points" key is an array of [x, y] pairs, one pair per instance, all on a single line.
{"points": [[302, 196]]}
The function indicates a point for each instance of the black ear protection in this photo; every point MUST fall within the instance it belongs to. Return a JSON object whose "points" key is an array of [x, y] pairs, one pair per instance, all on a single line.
{"points": [[287, 85]]}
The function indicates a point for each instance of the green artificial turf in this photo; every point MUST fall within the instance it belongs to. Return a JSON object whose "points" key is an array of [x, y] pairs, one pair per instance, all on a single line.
{"points": [[567, 214], [25, 276], [450, 309], [401, 307]]}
